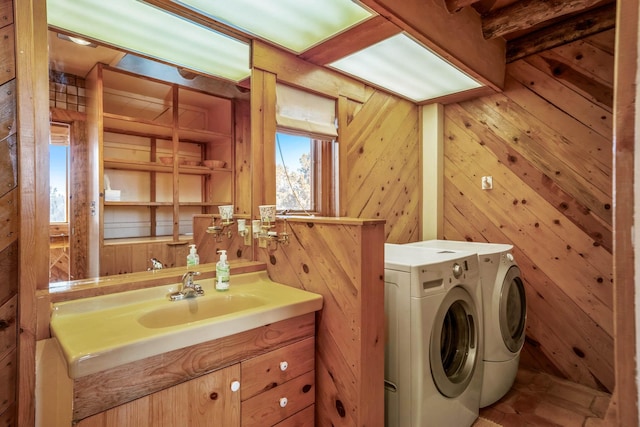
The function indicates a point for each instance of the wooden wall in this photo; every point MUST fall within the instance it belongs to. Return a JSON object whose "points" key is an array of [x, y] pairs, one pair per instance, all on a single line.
{"points": [[8, 219], [547, 142], [381, 141], [343, 260]]}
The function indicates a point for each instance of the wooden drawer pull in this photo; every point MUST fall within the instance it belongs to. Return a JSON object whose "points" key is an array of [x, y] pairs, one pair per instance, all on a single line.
{"points": [[284, 365], [283, 402]]}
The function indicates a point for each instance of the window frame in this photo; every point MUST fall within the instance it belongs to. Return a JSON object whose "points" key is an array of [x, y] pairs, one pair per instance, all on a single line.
{"points": [[323, 174], [57, 224]]}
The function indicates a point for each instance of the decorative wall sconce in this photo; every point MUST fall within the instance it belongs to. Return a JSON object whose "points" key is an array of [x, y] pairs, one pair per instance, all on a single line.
{"points": [[263, 228], [224, 227]]}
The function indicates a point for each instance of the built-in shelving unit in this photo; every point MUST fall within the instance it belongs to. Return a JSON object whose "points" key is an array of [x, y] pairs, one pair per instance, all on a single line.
{"points": [[152, 139]]}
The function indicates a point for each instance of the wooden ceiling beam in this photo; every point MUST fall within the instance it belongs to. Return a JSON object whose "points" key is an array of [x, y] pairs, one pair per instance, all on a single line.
{"points": [[525, 14], [455, 37], [567, 31], [457, 5], [357, 38]]}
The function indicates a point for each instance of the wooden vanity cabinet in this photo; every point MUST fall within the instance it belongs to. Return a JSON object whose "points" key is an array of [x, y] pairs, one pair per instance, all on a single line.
{"points": [[276, 389], [274, 364], [205, 401]]}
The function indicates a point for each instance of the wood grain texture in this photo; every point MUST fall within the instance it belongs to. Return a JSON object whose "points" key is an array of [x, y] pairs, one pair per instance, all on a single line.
{"points": [[6, 16], [103, 390], [194, 403], [208, 246], [7, 54], [382, 160], [344, 263], [431, 24], [300, 73], [242, 169], [625, 207], [33, 131], [8, 325], [8, 109], [265, 408], [262, 373], [547, 142], [9, 272], [8, 380]]}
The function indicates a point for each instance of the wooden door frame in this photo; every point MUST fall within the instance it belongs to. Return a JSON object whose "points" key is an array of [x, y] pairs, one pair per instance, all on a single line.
{"points": [[624, 258]]}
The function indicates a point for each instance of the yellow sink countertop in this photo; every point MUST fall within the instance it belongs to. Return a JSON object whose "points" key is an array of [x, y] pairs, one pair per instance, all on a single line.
{"points": [[103, 332]]}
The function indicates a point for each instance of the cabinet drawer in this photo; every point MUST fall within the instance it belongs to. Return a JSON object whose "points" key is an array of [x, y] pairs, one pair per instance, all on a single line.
{"points": [[271, 369], [270, 407], [304, 418]]}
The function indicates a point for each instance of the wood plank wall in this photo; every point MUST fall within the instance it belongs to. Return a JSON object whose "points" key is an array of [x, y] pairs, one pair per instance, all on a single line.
{"points": [[547, 142], [8, 219], [381, 138], [343, 260]]}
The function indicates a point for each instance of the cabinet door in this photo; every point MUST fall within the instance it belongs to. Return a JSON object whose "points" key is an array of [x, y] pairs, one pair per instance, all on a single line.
{"points": [[204, 401]]}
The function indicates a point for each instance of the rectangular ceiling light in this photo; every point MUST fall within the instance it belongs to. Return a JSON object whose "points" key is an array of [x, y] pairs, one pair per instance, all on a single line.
{"points": [[403, 66], [293, 24], [151, 32]]}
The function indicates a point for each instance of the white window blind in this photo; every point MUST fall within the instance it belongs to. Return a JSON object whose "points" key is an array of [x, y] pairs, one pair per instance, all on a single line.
{"points": [[303, 112]]}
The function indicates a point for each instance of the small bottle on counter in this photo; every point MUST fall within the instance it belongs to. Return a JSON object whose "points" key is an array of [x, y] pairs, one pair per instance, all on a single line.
{"points": [[193, 258], [222, 272]]}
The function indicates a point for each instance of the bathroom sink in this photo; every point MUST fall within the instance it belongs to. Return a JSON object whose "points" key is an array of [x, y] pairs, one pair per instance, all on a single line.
{"points": [[195, 309], [103, 332]]}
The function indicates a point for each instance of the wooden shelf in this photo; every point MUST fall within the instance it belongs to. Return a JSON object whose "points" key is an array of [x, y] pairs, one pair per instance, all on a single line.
{"points": [[136, 126], [136, 165], [203, 136], [136, 204]]}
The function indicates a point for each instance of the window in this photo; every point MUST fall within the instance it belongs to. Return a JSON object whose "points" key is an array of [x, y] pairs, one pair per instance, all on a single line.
{"points": [[306, 160], [304, 173], [59, 173]]}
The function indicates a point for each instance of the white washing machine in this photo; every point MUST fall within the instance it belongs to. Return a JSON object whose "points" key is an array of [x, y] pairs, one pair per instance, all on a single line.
{"points": [[505, 312], [433, 350]]}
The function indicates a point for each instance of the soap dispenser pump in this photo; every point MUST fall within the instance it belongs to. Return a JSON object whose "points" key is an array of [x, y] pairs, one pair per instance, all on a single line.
{"points": [[193, 258], [222, 272]]}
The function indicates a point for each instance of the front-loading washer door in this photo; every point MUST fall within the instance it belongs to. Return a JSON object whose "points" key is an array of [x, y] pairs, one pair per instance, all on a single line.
{"points": [[453, 348], [513, 310]]}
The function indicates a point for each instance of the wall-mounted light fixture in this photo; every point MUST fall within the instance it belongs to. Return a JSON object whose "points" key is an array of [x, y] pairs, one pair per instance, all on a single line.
{"points": [[226, 220]]}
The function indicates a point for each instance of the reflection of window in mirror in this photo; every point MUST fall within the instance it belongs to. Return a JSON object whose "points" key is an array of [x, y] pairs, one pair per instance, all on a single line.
{"points": [[303, 173], [58, 207]]}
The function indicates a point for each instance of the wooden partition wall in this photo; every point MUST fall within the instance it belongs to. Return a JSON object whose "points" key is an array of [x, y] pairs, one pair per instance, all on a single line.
{"points": [[343, 260]]}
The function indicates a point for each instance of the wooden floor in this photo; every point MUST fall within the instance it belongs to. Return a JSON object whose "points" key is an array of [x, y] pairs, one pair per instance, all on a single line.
{"points": [[538, 399]]}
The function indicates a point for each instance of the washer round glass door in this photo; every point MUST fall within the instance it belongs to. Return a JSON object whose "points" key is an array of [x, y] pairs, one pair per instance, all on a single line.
{"points": [[513, 310], [453, 348]]}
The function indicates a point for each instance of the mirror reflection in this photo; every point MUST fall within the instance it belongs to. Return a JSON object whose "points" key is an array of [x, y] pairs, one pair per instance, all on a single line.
{"points": [[142, 156]]}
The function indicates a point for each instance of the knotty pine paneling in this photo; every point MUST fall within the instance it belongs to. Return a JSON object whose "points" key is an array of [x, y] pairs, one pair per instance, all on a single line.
{"points": [[547, 142], [208, 246], [343, 260], [382, 163]]}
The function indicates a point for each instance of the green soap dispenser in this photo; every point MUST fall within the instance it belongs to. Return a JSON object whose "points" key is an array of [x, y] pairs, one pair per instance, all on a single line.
{"points": [[222, 272], [193, 258]]}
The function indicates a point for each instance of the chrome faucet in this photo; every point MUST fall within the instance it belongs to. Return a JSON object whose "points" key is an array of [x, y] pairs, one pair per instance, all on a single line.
{"points": [[189, 289]]}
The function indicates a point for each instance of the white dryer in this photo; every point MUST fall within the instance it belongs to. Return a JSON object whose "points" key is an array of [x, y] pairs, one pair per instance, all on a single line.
{"points": [[433, 349], [505, 312]]}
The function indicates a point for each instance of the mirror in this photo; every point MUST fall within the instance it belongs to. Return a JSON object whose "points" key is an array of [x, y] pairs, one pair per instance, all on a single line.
{"points": [[133, 155]]}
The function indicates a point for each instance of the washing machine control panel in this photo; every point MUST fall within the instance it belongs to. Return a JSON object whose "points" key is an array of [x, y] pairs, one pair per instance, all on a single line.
{"points": [[457, 270]]}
